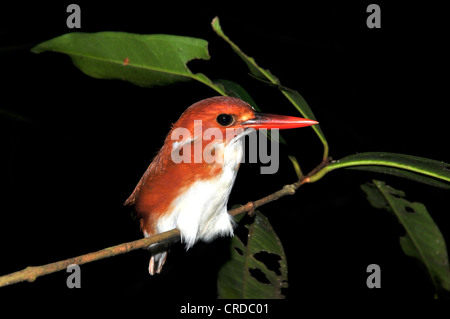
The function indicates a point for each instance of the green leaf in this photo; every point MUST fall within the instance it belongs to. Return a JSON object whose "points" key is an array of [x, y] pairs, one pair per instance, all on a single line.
{"points": [[420, 169], [236, 90], [422, 240], [250, 272], [144, 60], [265, 75]]}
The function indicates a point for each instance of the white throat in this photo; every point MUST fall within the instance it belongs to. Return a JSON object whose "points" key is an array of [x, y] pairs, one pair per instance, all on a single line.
{"points": [[201, 211]]}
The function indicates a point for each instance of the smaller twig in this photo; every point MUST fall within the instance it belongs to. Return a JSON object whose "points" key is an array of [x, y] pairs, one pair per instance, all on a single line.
{"points": [[252, 210], [288, 189], [307, 177]]}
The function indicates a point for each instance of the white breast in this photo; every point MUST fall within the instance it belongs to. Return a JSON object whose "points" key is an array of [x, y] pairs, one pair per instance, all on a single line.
{"points": [[201, 211]]}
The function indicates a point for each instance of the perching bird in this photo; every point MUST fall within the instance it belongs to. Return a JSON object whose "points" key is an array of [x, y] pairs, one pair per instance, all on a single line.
{"points": [[190, 191]]}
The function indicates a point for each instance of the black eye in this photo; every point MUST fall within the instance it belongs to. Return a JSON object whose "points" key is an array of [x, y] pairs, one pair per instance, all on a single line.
{"points": [[225, 119]]}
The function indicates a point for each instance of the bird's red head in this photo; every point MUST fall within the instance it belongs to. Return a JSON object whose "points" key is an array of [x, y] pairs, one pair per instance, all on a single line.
{"points": [[192, 194], [225, 119], [229, 112]]}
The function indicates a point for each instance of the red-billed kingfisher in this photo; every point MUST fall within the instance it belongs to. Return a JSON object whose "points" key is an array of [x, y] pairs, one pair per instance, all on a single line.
{"points": [[192, 195]]}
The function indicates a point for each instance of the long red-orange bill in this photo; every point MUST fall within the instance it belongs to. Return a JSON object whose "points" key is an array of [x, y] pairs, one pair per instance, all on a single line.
{"points": [[262, 120]]}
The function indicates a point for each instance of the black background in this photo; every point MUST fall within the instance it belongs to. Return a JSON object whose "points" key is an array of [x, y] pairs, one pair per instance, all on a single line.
{"points": [[74, 147]]}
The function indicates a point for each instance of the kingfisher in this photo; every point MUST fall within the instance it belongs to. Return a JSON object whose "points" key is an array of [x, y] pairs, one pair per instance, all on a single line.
{"points": [[189, 190]]}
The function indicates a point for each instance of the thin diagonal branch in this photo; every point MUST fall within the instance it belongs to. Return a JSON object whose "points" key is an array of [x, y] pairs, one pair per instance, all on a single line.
{"points": [[32, 272]]}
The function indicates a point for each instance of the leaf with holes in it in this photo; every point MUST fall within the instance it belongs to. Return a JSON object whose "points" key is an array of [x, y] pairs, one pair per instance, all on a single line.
{"points": [[422, 240], [257, 268]]}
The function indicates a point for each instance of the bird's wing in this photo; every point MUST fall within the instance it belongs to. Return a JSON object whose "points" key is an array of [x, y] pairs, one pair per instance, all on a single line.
{"points": [[155, 166], [132, 199]]}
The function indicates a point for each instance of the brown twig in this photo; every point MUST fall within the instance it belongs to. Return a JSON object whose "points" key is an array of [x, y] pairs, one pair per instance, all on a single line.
{"points": [[31, 273]]}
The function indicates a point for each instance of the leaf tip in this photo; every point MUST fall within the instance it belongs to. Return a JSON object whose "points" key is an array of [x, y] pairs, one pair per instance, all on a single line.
{"points": [[36, 49], [217, 28], [215, 23]]}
